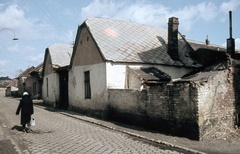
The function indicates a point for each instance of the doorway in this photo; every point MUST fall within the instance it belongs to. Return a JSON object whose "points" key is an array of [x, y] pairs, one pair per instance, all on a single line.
{"points": [[63, 87]]}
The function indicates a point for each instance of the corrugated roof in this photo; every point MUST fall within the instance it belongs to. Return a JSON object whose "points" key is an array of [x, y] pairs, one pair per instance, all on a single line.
{"points": [[60, 54], [123, 41]]}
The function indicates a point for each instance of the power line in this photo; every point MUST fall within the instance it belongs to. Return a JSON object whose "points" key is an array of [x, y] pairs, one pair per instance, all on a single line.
{"points": [[12, 59], [53, 20]]}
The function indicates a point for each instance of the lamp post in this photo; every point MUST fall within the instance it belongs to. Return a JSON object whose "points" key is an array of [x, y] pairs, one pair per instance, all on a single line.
{"points": [[14, 36]]}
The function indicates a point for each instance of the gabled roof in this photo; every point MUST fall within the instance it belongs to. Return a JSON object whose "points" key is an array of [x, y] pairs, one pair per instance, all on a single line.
{"points": [[127, 42], [38, 69], [12, 83], [123, 41], [26, 72], [60, 54]]}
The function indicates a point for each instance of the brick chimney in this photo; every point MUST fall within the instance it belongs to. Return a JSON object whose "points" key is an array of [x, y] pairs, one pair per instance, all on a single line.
{"points": [[173, 38]]}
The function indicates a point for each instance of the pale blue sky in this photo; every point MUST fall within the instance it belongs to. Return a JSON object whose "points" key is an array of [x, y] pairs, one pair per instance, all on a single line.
{"points": [[38, 24]]}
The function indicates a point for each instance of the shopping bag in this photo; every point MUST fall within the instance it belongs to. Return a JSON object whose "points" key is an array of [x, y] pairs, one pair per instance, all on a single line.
{"points": [[32, 122]]}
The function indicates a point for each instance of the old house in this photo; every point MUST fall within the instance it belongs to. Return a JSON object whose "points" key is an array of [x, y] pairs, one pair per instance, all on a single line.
{"points": [[105, 52], [152, 77], [55, 75], [4, 81], [21, 80], [33, 83], [12, 89]]}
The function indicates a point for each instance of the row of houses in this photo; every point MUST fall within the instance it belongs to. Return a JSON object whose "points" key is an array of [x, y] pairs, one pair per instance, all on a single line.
{"points": [[142, 75], [29, 80]]}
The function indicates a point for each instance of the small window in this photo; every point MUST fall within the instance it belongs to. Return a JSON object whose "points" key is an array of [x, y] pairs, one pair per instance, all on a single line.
{"points": [[87, 85], [34, 88], [87, 38], [47, 86]]}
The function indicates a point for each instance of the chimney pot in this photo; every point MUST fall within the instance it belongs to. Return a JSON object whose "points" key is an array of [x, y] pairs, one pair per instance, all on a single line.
{"points": [[173, 38], [207, 41]]}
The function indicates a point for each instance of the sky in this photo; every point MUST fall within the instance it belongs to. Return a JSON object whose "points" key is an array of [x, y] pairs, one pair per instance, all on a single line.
{"points": [[39, 24]]}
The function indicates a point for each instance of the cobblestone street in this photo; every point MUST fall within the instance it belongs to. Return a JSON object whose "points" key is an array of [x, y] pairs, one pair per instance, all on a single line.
{"points": [[59, 133]]}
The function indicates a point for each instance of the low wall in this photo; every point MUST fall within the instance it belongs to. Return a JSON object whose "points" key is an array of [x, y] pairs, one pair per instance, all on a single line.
{"points": [[167, 108]]}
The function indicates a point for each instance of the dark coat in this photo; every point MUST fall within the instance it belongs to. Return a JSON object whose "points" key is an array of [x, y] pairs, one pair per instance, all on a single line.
{"points": [[26, 108]]}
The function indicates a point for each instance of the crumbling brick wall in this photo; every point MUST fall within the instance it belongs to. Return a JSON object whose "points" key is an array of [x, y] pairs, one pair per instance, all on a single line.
{"points": [[236, 85], [193, 109], [216, 103]]}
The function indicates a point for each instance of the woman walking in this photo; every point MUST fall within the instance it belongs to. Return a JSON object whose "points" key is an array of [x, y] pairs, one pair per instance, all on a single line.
{"points": [[26, 108]]}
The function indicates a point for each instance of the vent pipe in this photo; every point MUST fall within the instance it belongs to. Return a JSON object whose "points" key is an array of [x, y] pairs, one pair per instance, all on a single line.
{"points": [[230, 23]]}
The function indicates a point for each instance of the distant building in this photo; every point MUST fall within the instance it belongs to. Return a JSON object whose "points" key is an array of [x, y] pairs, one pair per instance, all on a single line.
{"points": [[12, 89], [4, 81], [22, 80], [33, 83]]}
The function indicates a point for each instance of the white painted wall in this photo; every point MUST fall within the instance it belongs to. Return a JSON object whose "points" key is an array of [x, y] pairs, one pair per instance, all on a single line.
{"points": [[98, 87], [103, 76], [53, 89], [174, 72], [116, 73], [116, 76], [13, 88]]}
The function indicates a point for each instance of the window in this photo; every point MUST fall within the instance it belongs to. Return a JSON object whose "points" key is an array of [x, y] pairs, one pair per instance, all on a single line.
{"points": [[34, 88], [87, 85], [47, 86]]}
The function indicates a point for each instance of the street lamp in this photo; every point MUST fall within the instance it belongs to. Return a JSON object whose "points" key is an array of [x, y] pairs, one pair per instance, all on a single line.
{"points": [[14, 36]]}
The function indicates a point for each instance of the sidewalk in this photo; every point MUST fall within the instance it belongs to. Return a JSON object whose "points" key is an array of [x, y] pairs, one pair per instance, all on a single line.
{"points": [[192, 146]]}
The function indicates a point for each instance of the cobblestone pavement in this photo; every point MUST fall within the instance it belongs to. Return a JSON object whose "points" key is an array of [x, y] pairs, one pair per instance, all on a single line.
{"points": [[58, 133]]}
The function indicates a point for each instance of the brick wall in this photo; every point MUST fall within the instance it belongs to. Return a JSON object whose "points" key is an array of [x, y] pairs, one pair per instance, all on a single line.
{"points": [[167, 108], [216, 104], [194, 109]]}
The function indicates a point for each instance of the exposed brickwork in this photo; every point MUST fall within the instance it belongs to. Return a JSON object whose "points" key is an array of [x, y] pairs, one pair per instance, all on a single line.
{"points": [[193, 109], [169, 108], [216, 103]]}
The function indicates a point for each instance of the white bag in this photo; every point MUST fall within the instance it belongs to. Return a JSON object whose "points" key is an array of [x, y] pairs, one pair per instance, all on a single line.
{"points": [[32, 122]]}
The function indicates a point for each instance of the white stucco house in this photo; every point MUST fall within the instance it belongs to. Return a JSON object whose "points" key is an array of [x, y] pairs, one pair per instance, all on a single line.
{"points": [[55, 75], [107, 52]]}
